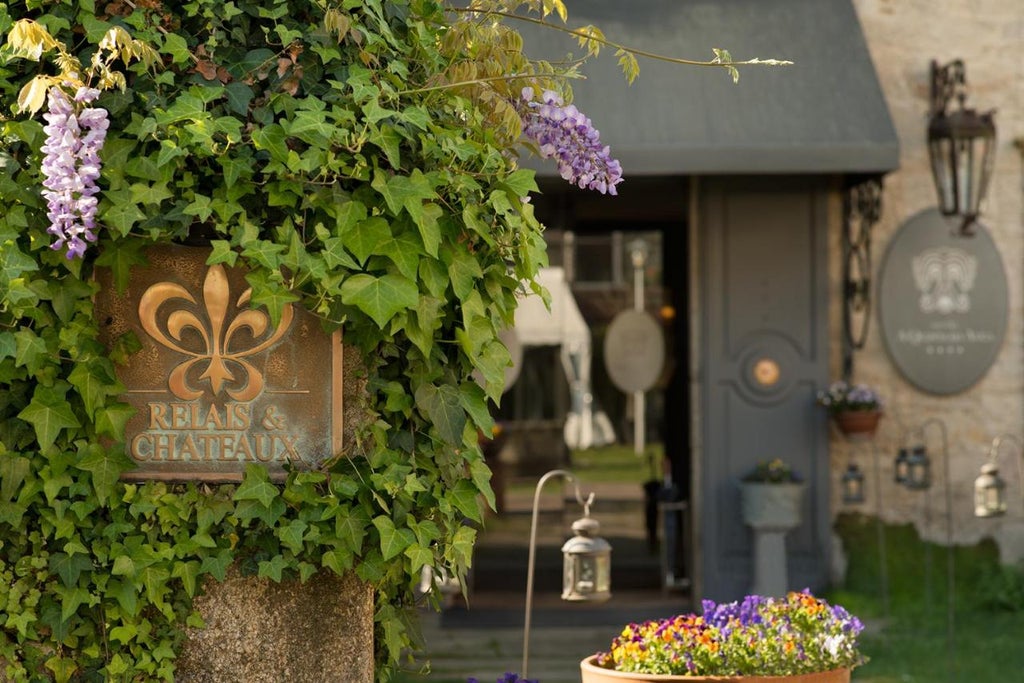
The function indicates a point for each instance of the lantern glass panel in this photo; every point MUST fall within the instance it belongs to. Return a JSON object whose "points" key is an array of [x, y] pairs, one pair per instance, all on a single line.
{"points": [[943, 162]]}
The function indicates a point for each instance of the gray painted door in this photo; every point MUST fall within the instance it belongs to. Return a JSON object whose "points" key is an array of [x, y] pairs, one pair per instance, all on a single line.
{"points": [[764, 355]]}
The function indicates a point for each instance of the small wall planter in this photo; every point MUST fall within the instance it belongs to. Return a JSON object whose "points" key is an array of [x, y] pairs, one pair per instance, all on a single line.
{"points": [[592, 673], [858, 424]]}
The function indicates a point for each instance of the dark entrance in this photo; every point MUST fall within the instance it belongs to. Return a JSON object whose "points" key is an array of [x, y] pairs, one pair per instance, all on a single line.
{"points": [[589, 235]]}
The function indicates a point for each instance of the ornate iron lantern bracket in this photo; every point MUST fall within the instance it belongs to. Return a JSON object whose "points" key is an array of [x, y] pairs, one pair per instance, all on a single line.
{"points": [[862, 208]]}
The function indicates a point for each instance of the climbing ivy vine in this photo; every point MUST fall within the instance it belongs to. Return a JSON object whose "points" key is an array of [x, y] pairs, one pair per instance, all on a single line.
{"points": [[357, 157]]}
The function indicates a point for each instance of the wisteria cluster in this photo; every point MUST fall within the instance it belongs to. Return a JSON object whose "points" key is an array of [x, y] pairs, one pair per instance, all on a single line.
{"points": [[763, 636], [841, 396], [563, 133], [71, 166]]}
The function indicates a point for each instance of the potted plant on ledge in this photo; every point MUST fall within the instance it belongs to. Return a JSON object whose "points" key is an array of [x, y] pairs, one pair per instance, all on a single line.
{"points": [[855, 408], [796, 639]]}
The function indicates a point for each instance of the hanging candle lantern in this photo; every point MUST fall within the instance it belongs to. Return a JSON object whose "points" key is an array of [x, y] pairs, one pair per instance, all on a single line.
{"points": [[989, 492], [853, 485], [919, 469], [901, 468], [586, 574]]}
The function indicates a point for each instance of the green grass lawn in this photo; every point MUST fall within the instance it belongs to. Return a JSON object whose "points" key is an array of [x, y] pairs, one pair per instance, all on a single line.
{"points": [[912, 644]]}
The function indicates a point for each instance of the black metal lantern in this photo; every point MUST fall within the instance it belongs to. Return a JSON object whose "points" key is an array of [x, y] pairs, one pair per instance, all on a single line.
{"points": [[989, 492], [853, 485], [919, 469], [961, 145], [901, 468], [586, 574]]}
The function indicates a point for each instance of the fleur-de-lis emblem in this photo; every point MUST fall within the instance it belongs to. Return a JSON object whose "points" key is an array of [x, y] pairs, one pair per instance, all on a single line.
{"points": [[221, 351]]}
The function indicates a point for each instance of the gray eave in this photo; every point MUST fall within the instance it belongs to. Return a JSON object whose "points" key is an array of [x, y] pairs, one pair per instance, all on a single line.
{"points": [[823, 114]]}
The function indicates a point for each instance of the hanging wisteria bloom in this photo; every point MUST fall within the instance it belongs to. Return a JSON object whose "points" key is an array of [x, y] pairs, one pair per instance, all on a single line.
{"points": [[71, 167], [562, 132]]}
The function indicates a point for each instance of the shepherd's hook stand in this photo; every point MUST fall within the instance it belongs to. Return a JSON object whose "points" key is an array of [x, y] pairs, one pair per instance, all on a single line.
{"points": [[533, 551]]}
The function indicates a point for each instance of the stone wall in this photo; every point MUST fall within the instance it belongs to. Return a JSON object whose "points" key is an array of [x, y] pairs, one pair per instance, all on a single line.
{"points": [[903, 36]]}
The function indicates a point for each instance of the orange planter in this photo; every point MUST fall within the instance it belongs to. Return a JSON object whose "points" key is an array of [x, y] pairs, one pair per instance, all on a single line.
{"points": [[592, 673], [858, 424]]}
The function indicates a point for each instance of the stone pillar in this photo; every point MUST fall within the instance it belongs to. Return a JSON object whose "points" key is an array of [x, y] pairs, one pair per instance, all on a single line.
{"points": [[259, 631]]}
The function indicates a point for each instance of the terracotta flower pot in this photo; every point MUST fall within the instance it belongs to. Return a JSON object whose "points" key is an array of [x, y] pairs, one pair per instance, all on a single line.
{"points": [[592, 673], [858, 424]]}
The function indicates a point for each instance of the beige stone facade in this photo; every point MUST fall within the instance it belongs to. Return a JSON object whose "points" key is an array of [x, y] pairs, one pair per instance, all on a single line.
{"points": [[903, 36]]}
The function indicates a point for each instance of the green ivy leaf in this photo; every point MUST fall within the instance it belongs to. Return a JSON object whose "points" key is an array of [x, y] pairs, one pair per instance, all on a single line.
{"points": [[350, 527], [121, 213], [419, 556], [366, 237], [380, 298], [111, 420], [292, 534], [49, 413], [521, 182], [69, 567], [337, 560], [272, 139], [188, 572], [121, 260], [405, 251], [30, 350], [217, 565], [155, 579], [13, 470], [272, 568], [463, 268], [92, 382], [464, 497], [392, 540], [125, 594], [106, 466], [443, 409], [257, 486], [222, 253], [63, 668]]}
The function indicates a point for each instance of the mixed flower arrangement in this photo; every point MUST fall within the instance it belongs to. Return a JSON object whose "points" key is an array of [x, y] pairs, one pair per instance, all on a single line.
{"points": [[842, 396], [773, 472], [764, 636]]}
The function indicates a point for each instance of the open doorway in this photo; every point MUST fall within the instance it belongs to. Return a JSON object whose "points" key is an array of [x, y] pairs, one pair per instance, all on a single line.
{"points": [[641, 498]]}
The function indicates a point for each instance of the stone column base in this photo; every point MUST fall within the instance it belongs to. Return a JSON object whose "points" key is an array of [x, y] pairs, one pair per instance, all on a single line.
{"points": [[259, 631]]}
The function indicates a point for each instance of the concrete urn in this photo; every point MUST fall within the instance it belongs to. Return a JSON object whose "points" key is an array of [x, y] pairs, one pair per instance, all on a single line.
{"points": [[771, 505]]}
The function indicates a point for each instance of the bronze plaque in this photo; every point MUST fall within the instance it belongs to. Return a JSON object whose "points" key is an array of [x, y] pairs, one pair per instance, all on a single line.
{"points": [[217, 385]]}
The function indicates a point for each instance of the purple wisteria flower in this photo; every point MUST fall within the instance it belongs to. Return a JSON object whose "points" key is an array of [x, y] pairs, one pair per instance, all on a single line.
{"points": [[509, 677], [562, 132], [71, 167]]}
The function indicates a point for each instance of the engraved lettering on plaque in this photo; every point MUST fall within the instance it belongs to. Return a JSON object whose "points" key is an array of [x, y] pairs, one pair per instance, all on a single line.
{"points": [[217, 384]]}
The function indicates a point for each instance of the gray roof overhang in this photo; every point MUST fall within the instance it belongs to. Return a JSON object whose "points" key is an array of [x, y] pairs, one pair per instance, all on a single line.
{"points": [[823, 114]]}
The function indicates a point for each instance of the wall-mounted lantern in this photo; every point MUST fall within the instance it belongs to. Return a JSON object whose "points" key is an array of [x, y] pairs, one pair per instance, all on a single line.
{"points": [[961, 145], [853, 485], [989, 487]]}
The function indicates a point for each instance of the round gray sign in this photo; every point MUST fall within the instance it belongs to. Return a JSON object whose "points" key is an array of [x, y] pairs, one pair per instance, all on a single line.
{"points": [[942, 303], [634, 351]]}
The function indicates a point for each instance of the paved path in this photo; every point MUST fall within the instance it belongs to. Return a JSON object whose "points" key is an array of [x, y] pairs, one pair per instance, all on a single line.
{"points": [[487, 641]]}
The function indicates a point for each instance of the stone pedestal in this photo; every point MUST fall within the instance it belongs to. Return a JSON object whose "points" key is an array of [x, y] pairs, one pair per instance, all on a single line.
{"points": [[259, 631], [771, 510]]}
